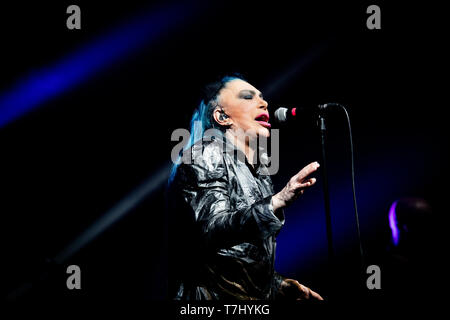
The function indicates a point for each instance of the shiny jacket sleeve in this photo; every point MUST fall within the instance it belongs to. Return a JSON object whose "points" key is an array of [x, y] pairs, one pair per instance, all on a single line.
{"points": [[276, 286], [205, 187]]}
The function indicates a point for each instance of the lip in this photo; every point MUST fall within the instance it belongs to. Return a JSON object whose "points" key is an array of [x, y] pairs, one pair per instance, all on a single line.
{"points": [[264, 114], [264, 121], [264, 124]]}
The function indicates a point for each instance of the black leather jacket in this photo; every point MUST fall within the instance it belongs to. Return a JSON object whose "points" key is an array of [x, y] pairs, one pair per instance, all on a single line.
{"points": [[222, 226]]}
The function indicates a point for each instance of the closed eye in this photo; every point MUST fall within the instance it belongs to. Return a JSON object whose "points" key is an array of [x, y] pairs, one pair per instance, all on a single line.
{"points": [[249, 94]]}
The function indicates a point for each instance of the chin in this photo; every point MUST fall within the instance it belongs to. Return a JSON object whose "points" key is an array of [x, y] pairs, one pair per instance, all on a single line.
{"points": [[264, 132]]}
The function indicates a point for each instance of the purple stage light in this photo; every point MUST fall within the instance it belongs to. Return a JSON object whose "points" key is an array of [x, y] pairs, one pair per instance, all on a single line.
{"points": [[393, 223]]}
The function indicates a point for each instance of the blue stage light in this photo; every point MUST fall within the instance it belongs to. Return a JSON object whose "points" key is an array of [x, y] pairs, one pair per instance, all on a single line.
{"points": [[47, 83]]}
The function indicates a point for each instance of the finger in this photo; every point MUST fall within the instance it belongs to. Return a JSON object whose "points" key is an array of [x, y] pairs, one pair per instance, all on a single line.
{"points": [[294, 284], [315, 295], [308, 183], [306, 171], [304, 293]]}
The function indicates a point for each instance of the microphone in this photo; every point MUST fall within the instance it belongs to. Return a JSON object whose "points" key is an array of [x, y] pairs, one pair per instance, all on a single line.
{"points": [[287, 114]]}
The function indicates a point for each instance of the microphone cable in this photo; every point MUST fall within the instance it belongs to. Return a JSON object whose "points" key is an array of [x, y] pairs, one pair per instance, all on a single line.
{"points": [[323, 107]]}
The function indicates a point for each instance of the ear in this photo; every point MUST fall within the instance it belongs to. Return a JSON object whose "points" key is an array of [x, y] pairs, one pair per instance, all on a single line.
{"points": [[221, 118]]}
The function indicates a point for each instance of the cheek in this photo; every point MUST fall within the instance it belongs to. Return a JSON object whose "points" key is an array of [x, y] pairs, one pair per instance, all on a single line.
{"points": [[243, 117], [242, 114], [241, 110]]}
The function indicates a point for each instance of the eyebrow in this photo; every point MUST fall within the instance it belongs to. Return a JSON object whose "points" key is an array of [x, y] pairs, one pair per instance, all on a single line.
{"points": [[251, 91]]}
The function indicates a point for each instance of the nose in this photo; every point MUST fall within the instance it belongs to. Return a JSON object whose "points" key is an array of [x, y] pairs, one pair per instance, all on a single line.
{"points": [[264, 105]]}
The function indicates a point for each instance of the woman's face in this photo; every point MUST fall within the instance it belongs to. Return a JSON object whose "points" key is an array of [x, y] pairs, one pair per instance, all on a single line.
{"points": [[245, 107]]}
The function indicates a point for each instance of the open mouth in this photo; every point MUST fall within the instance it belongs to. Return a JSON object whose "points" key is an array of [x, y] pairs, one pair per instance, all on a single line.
{"points": [[263, 119]]}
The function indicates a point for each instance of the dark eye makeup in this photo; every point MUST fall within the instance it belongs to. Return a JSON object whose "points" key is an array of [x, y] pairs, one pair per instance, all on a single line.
{"points": [[249, 94]]}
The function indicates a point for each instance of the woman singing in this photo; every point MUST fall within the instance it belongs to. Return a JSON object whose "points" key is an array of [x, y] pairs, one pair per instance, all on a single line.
{"points": [[224, 216]]}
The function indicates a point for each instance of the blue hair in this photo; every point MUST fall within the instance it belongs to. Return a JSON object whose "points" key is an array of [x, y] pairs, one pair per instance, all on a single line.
{"points": [[202, 118]]}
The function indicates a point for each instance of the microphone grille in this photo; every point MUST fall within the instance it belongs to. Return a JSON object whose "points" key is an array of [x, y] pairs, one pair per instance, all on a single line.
{"points": [[281, 114]]}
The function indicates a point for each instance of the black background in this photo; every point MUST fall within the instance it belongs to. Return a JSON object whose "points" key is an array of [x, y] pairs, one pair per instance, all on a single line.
{"points": [[67, 162]]}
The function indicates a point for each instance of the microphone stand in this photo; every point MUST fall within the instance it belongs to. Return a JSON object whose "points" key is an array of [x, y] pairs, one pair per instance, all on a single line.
{"points": [[326, 195]]}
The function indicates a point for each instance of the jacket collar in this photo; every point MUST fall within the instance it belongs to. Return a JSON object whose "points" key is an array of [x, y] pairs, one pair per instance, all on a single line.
{"points": [[232, 150]]}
